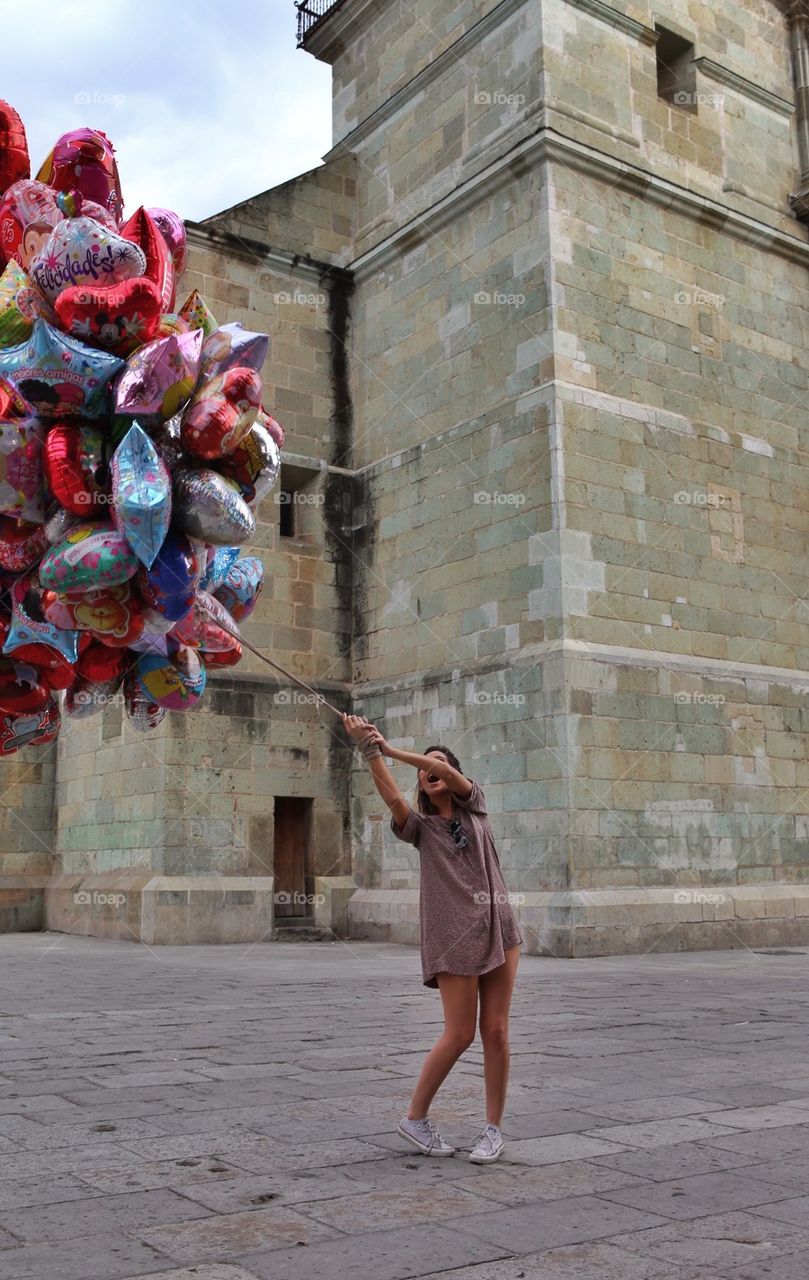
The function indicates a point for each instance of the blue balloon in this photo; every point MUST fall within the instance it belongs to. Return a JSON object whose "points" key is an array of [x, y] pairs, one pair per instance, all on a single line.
{"points": [[169, 584], [141, 494], [59, 375]]}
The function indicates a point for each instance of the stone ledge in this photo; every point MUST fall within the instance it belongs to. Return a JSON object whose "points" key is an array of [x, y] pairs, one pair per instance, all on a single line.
{"points": [[627, 921], [139, 906]]}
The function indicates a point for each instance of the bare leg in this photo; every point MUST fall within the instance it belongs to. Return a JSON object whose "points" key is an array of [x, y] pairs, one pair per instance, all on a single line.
{"points": [[495, 1000], [459, 995]]}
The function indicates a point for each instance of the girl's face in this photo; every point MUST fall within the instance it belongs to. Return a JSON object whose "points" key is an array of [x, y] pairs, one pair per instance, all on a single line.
{"points": [[429, 783]]}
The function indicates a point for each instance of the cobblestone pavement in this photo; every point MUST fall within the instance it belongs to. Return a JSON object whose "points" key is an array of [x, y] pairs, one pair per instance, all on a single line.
{"points": [[229, 1113]]}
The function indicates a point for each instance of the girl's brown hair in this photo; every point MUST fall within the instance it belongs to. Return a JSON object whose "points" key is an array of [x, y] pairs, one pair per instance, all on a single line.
{"points": [[425, 805]]}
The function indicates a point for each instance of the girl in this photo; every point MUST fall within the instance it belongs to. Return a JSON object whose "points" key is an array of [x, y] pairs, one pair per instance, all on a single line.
{"points": [[470, 938]]}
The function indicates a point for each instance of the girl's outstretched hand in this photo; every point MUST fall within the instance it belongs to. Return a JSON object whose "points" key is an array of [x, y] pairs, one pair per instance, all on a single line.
{"points": [[360, 729]]}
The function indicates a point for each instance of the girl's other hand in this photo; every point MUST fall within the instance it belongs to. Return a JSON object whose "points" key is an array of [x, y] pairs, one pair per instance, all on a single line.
{"points": [[357, 727]]}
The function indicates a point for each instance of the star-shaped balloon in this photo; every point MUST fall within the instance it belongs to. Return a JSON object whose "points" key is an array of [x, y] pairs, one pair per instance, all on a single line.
{"points": [[59, 375], [28, 625]]}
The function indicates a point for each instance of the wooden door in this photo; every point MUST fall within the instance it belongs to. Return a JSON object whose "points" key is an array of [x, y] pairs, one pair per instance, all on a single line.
{"points": [[292, 859]]}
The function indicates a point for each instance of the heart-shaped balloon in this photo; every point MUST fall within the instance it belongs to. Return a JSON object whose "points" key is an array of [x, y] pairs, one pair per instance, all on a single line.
{"points": [[21, 470], [117, 317], [221, 413], [60, 376], [29, 211], [144, 232], [79, 251], [20, 305], [141, 494], [14, 162], [94, 554], [160, 377], [84, 160], [21, 544], [72, 463], [209, 506], [172, 229]]}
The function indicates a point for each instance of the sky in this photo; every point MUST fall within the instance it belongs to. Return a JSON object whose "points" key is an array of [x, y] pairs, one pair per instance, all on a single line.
{"points": [[205, 103]]}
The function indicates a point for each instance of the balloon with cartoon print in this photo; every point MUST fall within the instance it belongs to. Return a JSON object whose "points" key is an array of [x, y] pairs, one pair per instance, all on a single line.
{"points": [[29, 625], [94, 554], [60, 376], [84, 160]]}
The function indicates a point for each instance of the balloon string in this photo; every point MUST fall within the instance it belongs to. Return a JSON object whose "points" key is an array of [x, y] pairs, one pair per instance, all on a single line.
{"points": [[318, 696]]}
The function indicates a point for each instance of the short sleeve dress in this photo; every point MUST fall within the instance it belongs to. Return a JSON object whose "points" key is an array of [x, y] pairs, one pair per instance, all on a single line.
{"points": [[466, 918]]}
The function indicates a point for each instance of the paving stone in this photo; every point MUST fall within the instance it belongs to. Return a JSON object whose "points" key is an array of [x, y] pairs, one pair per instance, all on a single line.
{"points": [[222, 1238], [150, 1174], [717, 1241], [558, 1147], [96, 1257], [795, 1266], [573, 1262], [552, 1223], [680, 1160], [126, 1213], [697, 1196], [766, 1117], [795, 1210], [659, 1133], [208, 1271]]}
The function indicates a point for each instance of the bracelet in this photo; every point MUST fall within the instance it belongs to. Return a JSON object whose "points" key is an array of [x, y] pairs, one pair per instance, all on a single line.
{"points": [[369, 749]]}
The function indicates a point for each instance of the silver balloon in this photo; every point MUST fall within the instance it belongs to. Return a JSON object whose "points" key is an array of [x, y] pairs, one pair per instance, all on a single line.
{"points": [[208, 506], [59, 524], [270, 461], [87, 697]]}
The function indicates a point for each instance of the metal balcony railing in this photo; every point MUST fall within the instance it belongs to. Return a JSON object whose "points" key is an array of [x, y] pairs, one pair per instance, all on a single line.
{"points": [[310, 13]]}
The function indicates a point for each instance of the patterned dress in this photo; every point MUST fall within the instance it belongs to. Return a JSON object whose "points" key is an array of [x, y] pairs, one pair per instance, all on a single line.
{"points": [[467, 921]]}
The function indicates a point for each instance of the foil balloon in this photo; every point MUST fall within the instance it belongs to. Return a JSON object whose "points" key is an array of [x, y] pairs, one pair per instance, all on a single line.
{"points": [[160, 377], [21, 689], [28, 214], [197, 314], [59, 375], [221, 413], [14, 162], [141, 494], [176, 683], [114, 615], [172, 228], [209, 506], [30, 729], [21, 544], [233, 345], [254, 464], [223, 657], [117, 317], [168, 586], [58, 524], [219, 563], [20, 470], [275, 429], [79, 251], [143, 713], [20, 305], [242, 587], [100, 664], [87, 697], [29, 626], [144, 232], [171, 322], [83, 160], [94, 554], [206, 625], [72, 464]]}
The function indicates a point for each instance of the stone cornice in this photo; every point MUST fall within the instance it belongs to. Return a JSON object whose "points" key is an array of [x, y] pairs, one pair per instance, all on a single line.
{"points": [[606, 13], [746, 87], [282, 261], [547, 145]]}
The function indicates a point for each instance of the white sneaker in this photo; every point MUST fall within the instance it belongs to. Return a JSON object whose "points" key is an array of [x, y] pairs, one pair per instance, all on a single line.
{"points": [[424, 1135], [489, 1146]]}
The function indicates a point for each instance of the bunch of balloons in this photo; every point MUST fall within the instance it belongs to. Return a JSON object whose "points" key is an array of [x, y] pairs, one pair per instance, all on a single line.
{"points": [[134, 448]]}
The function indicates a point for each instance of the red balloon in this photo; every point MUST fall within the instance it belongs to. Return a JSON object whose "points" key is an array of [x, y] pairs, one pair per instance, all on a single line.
{"points": [[117, 317], [20, 688], [100, 663], [66, 473], [221, 413], [23, 730], [225, 657], [83, 160], [13, 406], [14, 162], [22, 545], [143, 231]]}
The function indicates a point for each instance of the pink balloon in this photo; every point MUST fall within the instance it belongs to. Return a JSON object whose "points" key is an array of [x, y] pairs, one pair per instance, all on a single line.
{"points": [[172, 229]]}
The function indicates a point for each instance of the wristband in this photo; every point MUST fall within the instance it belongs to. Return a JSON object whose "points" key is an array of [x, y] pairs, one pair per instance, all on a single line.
{"points": [[369, 749]]}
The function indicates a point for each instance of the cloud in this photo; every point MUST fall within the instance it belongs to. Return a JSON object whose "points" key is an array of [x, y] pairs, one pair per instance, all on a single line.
{"points": [[205, 104]]}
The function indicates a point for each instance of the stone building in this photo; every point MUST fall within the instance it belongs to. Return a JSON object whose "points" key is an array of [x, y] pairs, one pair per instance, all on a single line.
{"points": [[539, 328]]}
